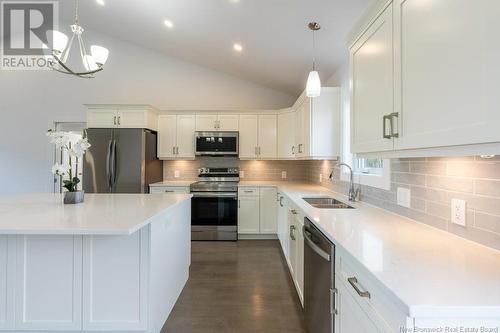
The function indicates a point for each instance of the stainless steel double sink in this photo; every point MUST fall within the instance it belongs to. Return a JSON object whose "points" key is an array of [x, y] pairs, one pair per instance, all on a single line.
{"points": [[327, 203]]}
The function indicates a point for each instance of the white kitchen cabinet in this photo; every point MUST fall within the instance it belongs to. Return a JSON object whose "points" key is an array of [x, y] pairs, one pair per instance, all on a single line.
{"points": [[176, 136], [118, 116], [317, 125], [115, 282], [448, 85], [217, 122], [248, 214], [258, 137], [268, 210], [249, 136], [43, 274], [7, 297], [299, 271], [372, 95], [169, 189], [286, 135], [228, 122], [292, 241], [283, 224], [350, 317]]}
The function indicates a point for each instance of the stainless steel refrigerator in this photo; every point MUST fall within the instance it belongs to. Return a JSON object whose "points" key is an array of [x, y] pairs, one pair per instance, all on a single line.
{"points": [[121, 161]]}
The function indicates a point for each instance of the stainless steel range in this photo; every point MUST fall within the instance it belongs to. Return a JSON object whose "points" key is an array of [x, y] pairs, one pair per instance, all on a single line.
{"points": [[214, 207]]}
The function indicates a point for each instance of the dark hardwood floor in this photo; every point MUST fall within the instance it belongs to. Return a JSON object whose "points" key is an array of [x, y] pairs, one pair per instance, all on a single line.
{"points": [[237, 287]]}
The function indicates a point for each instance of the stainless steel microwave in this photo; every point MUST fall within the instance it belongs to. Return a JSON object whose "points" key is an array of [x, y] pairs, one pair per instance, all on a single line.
{"points": [[217, 143]]}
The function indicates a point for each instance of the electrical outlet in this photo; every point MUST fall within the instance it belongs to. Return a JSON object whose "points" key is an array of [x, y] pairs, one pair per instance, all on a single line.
{"points": [[404, 197], [458, 212], [320, 177], [177, 174], [283, 174], [242, 174]]}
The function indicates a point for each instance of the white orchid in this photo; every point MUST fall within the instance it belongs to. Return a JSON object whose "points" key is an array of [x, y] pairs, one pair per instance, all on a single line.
{"points": [[60, 169], [60, 139], [78, 148]]}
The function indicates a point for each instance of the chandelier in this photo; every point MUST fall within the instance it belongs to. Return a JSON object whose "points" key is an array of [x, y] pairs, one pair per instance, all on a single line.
{"points": [[58, 60]]}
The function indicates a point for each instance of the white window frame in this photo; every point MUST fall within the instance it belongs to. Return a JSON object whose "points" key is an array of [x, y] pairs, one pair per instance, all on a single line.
{"points": [[382, 180]]}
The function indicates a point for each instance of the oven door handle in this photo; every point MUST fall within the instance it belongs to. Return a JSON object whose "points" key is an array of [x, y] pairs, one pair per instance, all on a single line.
{"points": [[214, 195]]}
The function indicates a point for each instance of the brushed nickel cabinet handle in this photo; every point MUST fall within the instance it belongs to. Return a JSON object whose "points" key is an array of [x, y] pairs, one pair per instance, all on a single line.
{"points": [[384, 126], [394, 115], [119, 120], [281, 201], [293, 150], [353, 281], [292, 233], [114, 120]]}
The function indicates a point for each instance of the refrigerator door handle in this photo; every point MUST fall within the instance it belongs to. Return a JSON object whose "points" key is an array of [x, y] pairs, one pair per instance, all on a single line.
{"points": [[113, 164], [108, 165]]}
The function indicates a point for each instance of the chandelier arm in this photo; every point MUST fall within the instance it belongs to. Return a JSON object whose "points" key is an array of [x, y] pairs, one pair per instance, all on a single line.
{"points": [[69, 71], [68, 49]]}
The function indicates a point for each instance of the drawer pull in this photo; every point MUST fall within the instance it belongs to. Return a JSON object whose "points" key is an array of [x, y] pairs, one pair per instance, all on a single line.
{"points": [[248, 191], [354, 283]]}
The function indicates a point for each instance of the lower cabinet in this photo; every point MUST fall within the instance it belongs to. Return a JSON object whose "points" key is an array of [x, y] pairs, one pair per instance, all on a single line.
{"points": [[282, 217], [257, 210], [48, 268], [350, 316]]}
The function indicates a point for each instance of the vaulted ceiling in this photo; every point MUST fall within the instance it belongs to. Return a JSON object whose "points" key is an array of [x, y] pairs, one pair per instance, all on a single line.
{"points": [[277, 46]]}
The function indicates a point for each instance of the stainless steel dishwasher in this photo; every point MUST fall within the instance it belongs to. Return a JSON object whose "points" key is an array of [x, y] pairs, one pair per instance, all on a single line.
{"points": [[319, 281]]}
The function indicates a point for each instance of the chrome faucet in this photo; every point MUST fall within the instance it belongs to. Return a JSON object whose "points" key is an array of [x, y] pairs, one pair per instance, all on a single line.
{"points": [[353, 193]]}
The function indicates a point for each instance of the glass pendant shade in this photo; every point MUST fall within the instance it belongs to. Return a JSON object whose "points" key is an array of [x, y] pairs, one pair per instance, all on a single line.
{"points": [[313, 87], [99, 54], [59, 41], [89, 63]]}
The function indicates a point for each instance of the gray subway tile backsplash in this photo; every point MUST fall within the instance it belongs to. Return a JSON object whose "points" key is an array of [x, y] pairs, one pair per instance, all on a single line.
{"points": [[433, 183]]}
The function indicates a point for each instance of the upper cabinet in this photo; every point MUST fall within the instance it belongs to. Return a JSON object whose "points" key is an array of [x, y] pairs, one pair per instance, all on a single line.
{"points": [[286, 135], [217, 122], [258, 138], [372, 95], [426, 86], [176, 136], [113, 116], [317, 125]]}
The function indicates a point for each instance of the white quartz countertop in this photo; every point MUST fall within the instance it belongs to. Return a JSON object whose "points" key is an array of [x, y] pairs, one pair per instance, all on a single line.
{"points": [[174, 183], [100, 214], [432, 272]]}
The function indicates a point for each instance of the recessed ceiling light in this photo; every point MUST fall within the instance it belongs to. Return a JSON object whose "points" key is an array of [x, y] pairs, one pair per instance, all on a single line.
{"points": [[169, 24], [237, 47], [101, 2]]}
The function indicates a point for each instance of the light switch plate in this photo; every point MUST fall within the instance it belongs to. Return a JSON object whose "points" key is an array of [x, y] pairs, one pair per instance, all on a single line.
{"points": [[177, 174], [404, 197], [458, 208], [242, 174], [283, 174]]}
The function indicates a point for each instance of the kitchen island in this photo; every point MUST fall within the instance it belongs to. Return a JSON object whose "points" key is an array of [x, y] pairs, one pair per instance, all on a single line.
{"points": [[115, 263]]}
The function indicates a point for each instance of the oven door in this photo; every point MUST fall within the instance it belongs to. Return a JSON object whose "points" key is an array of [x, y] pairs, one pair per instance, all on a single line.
{"points": [[214, 216], [217, 143]]}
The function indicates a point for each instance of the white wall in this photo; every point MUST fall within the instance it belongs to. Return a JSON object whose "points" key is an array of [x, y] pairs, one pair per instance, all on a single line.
{"points": [[30, 101]]}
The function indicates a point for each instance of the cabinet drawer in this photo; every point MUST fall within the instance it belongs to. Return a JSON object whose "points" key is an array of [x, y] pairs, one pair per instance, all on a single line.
{"points": [[248, 191], [382, 307], [169, 189]]}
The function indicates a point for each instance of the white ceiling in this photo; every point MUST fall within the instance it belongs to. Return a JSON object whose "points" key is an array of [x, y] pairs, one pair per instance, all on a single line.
{"points": [[277, 44]]}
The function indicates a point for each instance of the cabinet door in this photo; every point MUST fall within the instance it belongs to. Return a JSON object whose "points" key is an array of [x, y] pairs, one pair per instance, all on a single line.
{"points": [[286, 135], [292, 241], [132, 118], [447, 72], [185, 136], [283, 225], [102, 118], [49, 283], [115, 282], [268, 210], [228, 122], [167, 136], [248, 136], [372, 95], [302, 128], [248, 215], [268, 135], [206, 122], [350, 317], [299, 271], [7, 278]]}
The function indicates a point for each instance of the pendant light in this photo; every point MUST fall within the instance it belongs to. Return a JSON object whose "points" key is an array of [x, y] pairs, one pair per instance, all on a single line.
{"points": [[313, 87], [58, 59]]}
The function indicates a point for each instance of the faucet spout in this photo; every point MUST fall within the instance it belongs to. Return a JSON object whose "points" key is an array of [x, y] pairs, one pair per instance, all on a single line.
{"points": [[353, 193]]}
